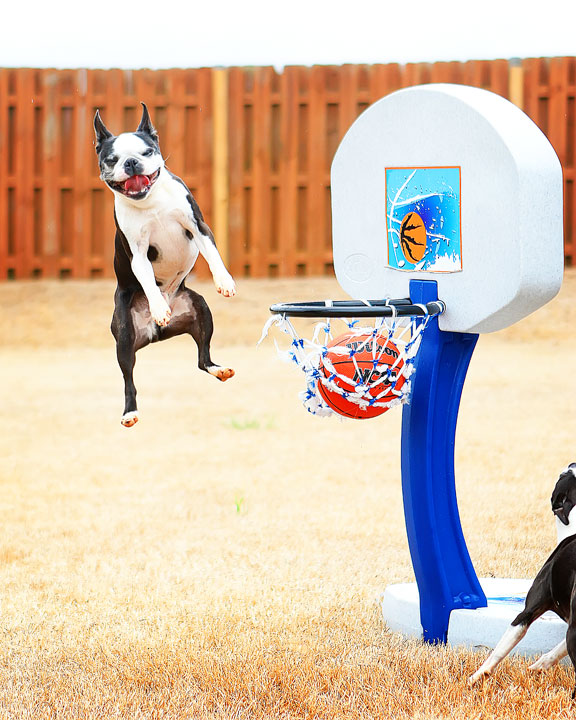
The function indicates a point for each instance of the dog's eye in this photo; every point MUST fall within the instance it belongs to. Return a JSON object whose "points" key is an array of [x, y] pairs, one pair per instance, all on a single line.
{"points": [[148, 152], [112, 160]]}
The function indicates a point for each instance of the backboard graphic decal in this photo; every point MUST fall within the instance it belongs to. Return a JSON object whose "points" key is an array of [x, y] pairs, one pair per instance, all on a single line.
{"points": [[423, 219]]}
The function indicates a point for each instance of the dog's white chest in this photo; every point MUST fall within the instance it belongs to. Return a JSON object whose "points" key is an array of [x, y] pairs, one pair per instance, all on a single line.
{"points": [[157, 228], [170, 250], [564, 531]]}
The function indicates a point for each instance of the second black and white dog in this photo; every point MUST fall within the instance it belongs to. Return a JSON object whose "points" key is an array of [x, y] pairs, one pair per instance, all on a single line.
{"points": [[159, 233], [554, 587]]}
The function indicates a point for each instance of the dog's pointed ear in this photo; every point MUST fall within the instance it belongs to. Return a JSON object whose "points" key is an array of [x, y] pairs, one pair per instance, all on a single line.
{"points": [[146, 124], [102, 132]]}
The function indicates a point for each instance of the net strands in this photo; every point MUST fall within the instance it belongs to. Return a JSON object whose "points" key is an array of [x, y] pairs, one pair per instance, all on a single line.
{"points": [[396, 323]]}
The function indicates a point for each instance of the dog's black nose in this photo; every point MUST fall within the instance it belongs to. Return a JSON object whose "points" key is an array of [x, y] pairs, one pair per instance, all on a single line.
{"points": [[132, 166]]}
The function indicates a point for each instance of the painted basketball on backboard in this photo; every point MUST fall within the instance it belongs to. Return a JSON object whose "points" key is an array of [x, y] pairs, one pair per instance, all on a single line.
{"points": [[452, 184], [423, 219], [412, 235]]}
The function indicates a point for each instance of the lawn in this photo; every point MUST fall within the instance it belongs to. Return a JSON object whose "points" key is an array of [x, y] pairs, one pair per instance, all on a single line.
{"points": [[226, 557]]}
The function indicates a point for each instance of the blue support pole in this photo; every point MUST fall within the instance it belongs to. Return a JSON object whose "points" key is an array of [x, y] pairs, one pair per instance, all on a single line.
{"points": [[444, 572]]}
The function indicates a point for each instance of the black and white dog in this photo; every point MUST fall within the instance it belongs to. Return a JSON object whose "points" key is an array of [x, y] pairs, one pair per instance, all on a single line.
{"points": [[159, 233], [554, 588]]}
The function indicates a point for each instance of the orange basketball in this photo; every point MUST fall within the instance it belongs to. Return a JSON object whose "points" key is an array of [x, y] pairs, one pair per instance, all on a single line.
{"points": [[365, 363]]}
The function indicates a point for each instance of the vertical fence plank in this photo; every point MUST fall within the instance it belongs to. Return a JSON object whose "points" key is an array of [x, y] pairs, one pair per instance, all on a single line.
{"points": [[569, 162], [100, 222], [221, 161], [288, 173], [81, 180], [557, 105], [5, 186], [310, 260], [260, 244], [48, 170], [239, 143], [305, 147], [204, 160], [557, 114], [24, 183]]}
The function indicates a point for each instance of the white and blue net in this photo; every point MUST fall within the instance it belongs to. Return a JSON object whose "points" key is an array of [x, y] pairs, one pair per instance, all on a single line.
{"points": [[379, 387]]}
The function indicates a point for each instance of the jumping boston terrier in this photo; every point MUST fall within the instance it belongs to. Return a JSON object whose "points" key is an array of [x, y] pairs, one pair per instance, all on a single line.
{"points": [[553, 589], [159, 233]]}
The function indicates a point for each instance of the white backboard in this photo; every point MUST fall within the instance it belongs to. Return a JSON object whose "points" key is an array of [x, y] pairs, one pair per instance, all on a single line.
{"points": [[454, 184]]}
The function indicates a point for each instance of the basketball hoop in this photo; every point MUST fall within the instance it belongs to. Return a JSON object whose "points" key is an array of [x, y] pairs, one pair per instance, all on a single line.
{"points": [[365, 371], [421, 209]]}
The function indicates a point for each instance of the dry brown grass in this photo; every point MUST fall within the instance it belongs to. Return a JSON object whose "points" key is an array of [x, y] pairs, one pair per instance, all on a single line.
{"points": [[225, 558]]}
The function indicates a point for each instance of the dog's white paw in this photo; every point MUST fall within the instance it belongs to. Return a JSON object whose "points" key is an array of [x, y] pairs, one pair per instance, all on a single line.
{"points": [[225, 285], [540, 664], [161, 313], [473, 679], [130, 419], [221, 373], [544, 663]]}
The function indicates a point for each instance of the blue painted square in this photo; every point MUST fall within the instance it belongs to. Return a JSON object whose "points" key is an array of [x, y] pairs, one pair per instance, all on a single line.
{"points": [[423, 219]]}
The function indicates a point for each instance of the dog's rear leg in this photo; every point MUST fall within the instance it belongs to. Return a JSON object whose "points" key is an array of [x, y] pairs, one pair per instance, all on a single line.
{"points": [[551, 658], [127, 359], [538, 600], [571, 636], [507, 642], [124, 333], [201, 329]]}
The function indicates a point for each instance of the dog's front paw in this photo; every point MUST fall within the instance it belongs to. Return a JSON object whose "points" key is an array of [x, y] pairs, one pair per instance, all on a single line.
{"points": [[225, 285], [130, 418], [161, 313]]}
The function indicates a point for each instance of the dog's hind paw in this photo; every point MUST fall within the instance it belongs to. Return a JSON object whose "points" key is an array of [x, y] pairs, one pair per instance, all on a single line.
{"points": [[221, 373], [549, 659], [539, 665], [130, 419]]}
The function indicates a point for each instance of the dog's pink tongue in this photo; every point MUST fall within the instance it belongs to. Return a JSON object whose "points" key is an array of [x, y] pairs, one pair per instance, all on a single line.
{"points": [[136, 183]]}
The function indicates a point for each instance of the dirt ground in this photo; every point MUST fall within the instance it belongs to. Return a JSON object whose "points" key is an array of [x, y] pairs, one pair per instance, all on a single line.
{"points": [[226, 557]]}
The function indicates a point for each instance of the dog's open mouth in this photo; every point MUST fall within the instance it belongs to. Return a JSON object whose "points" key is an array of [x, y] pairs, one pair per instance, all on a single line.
{"points": [[136, 186]]}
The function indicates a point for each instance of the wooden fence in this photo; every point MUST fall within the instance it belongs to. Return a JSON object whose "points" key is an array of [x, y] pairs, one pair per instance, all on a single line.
{"points": [[254, 145]]}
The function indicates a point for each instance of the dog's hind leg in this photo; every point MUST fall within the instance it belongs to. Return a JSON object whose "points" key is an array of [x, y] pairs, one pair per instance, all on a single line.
{"points": [[571, 635], [571, 645], [125, 335], [551, 658], [538, 600], [507, 642], [192, 315]]}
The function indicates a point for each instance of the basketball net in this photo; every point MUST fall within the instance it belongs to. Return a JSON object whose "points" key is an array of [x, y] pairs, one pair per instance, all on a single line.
{"points": [[372, 388]]}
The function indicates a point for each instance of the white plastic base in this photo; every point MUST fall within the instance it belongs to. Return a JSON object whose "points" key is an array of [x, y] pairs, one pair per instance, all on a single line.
{"points": [[480, 628]]}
